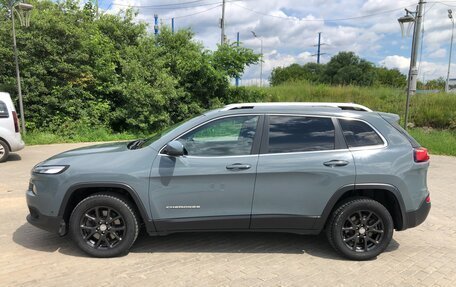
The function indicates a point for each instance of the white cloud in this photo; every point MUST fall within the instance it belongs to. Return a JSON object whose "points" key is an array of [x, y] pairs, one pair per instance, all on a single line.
{"points": [[439, 53], [290, 33]]}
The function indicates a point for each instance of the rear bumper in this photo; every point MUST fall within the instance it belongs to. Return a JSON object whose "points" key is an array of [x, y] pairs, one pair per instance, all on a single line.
{"points": [[17, 145], [416, 217]]}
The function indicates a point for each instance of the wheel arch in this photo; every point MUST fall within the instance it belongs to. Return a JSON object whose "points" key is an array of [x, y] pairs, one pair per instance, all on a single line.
{"points": [[386, 194], [78, 192], [5, 141]]}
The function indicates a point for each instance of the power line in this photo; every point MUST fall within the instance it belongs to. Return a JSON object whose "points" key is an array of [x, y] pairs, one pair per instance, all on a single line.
{"points": [[175, 6], [163, 5], [322, 20], [192, 14]]}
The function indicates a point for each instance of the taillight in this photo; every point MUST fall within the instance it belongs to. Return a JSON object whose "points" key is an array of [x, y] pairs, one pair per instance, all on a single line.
{"points": [[16, 122], [421, 154], [428, 199]]}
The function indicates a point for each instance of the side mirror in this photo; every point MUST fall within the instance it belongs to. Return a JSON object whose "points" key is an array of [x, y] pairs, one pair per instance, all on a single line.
{"points": [[174, 148]]}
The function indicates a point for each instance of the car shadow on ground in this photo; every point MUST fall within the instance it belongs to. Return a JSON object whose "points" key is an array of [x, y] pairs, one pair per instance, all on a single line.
{"points": [[14, 157], [213, 242]]}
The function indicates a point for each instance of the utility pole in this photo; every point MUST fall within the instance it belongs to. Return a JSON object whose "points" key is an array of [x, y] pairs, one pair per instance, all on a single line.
{"points": [[319, 53], [96, 8], [172, 25], [156, 24], [261, 56], [222, 24], [447, 84], [237, 44], [413, 71]]}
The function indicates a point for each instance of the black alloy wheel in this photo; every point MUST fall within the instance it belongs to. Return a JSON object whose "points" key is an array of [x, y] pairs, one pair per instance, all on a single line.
{"points": [[360, 229], [104, 225]]}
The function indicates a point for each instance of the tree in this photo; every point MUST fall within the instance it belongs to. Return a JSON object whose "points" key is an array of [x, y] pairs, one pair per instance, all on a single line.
{"points": [[346, 68], [82, 70], [390, 77], [311, 72]]}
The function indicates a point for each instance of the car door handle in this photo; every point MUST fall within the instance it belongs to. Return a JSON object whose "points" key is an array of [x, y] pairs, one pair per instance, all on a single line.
{"points": [[333, 163], [238, 166]]}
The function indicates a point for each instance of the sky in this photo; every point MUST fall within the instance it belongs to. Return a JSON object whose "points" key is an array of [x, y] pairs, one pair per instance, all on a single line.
{"points": [[289, 29]]}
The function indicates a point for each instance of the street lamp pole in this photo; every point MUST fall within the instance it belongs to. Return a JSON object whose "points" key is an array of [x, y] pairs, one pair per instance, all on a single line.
{"points": [[413, 71], [25, 22], [261, 56], [447, 84], [18, 75]]}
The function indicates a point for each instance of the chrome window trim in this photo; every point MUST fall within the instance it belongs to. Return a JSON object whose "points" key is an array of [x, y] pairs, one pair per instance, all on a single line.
{"points": [[209, 121], [385, 142]]}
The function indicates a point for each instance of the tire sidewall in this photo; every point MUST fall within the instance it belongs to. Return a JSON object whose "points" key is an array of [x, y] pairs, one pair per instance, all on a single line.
{"points": [[131, 225], [352, 207], [4, 157]]}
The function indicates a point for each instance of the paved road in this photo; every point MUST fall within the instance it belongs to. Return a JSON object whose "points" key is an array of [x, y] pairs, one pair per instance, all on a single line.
{"points": [[424, 256]]}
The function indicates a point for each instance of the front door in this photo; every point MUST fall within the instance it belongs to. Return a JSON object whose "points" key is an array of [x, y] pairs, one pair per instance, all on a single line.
{"points": [[302, 163], [211, 187]]}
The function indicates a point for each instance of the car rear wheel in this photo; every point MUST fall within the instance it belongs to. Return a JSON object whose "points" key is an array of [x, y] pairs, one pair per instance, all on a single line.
{"points": [[4, 151], [104, 225], [360, 229]]}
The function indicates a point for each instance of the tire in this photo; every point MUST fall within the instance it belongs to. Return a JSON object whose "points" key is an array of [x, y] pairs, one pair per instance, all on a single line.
{"points": [[104, 225], [4, 151], [360, 229]]}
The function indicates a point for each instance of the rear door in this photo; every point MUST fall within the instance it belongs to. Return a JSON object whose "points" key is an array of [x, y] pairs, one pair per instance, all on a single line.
{"points": [[302, 163]]}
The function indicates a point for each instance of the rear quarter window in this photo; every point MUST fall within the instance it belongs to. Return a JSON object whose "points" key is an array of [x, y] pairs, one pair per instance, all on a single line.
{"points": [[359, 134], [3, 110]]}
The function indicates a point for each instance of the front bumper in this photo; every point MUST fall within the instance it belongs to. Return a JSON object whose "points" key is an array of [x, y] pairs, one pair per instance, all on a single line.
{"points": [[48, 222], [415, 218], [54, 224]]}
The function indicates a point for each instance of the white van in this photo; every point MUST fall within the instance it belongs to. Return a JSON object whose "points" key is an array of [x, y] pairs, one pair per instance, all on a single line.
{"points": [[10, 137]]}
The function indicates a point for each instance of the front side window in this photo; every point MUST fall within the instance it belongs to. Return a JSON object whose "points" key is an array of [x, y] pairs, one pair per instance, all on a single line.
{"points": [[359, 134], [299, 134], [224, 137], [3, 110]]}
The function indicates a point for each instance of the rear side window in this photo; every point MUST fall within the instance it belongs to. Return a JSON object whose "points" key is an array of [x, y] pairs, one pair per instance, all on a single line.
{"points": [[299, 134], [3, 110], [359, 134]]}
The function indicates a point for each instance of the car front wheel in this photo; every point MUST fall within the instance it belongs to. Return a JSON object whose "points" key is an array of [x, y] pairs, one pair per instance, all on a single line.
{"points": [[104, 225], [360, 229]]}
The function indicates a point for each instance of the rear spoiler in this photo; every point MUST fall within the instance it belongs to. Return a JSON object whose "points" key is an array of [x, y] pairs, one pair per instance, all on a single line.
{"points": [[391, 118]]}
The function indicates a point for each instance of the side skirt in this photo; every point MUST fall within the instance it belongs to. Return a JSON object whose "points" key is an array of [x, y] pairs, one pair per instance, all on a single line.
{"points": [[245, 223]]}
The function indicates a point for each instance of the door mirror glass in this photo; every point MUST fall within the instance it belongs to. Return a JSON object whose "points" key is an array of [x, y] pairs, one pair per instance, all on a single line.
{"points": [[174, 148]]}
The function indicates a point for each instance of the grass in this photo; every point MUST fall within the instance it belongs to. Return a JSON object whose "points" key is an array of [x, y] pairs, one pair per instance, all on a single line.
{"points": [[427, 110], [84, 135], [442, 142]]}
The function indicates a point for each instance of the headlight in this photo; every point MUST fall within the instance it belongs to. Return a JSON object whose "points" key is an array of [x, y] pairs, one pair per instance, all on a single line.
{"points": [[50, 169]]}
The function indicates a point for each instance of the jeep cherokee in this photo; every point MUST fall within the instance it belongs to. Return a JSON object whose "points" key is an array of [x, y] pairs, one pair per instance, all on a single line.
{"points": [[280, 167]]}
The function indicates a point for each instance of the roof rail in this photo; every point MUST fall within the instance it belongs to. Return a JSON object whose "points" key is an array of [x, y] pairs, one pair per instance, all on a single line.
{"points": [[342, 106]]}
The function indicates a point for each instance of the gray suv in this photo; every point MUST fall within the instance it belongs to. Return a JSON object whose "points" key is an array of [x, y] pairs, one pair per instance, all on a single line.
{"points": [[279, 167]]}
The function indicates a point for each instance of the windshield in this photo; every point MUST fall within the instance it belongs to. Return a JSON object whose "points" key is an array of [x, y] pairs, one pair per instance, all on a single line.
{"points": [[158, 135]]}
